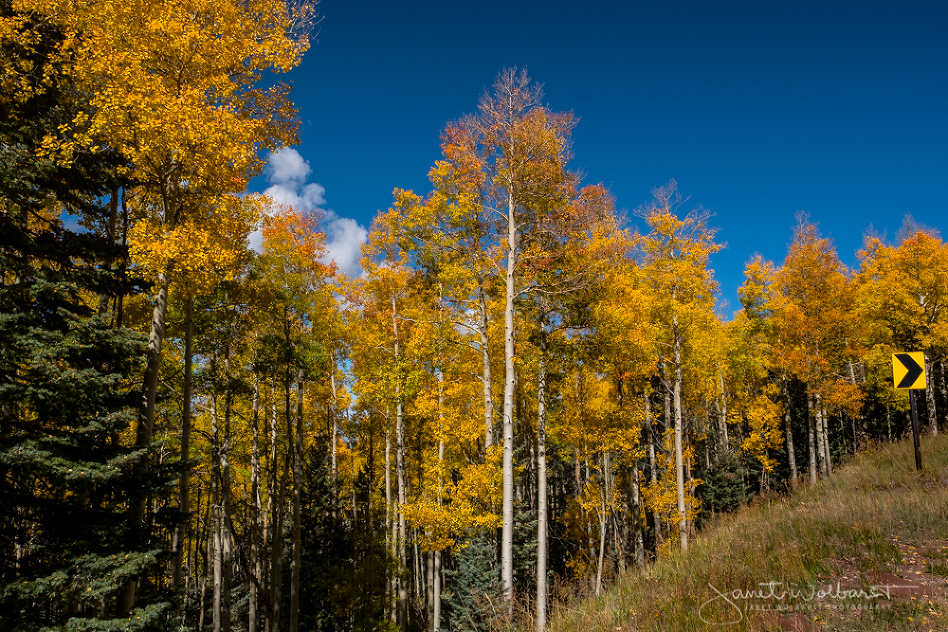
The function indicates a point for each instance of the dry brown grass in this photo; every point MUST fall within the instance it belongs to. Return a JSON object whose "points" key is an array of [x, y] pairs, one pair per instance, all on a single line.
{"points": [[876, 521]]}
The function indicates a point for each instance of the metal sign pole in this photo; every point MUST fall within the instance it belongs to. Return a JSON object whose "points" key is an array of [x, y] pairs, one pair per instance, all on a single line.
{"points": [[915, 432]]}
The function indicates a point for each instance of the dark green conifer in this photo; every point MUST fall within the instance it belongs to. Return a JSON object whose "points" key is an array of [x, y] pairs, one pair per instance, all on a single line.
{"points": [[345, 564], [65, 397], [473, 595]]}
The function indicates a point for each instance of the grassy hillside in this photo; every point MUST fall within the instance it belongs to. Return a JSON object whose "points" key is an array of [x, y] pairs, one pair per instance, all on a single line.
{"points": [[873, 538]]}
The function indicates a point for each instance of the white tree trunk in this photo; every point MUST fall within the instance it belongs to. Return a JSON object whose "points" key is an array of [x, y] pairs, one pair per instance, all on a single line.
{"points": [[485, 361], [255, 506], [826, 437], [679, 464], [217, 515], [436, 619], [930, 395], [227, 536], [268, 537], [297, 505], [435, 579], [820, 436], [788, 429], [400, 475], [605, 499], [811, 438], [335, 421], [506, 550], [637, 516], [653, 471], [722, 412], [542, 528], [391, 535]]}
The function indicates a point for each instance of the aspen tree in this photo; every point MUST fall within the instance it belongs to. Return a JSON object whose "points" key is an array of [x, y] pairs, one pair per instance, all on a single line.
{"points": [[675, 261], [903, 290], [815, 322], [503, 188]]}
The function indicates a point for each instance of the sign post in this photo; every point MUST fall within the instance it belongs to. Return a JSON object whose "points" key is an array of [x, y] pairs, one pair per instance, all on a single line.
{"points": [[908, 372]]}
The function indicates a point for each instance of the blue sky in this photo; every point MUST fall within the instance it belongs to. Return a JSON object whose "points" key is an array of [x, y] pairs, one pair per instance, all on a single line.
{"points": [[758, 109]]}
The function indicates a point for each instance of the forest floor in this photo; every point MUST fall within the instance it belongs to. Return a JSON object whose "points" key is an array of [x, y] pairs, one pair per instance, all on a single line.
{"points": [[865, 549]]}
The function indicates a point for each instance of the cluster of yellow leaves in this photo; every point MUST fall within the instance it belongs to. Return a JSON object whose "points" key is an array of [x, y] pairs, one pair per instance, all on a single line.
{"points": [[590, 419], [168, 81], [763, 415], [902, 291], [464, 506], [661, 497], [200, 253]]}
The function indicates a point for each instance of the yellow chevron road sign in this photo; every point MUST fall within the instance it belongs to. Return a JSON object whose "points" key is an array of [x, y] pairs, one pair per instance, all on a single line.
{"points": [[908, 369]]}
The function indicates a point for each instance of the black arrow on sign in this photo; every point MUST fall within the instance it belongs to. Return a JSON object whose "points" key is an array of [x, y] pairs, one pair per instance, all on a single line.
{"points": [[913, 370]]}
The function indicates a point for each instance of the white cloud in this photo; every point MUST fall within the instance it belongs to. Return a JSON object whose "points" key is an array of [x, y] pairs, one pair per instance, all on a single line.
{"points": [[286, 165], [344, 238], [287, 172], [305, 198]]}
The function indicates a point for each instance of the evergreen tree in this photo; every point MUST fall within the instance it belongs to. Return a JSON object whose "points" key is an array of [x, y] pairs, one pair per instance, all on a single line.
{"points": [[725, 487], [474, 593], [327, 563], [373, 562], [66, 476]]}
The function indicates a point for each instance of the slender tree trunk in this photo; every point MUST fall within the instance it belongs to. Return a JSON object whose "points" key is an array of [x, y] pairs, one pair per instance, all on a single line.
{"points": [[416, 562], [218, 517], [510, 383], [208, 556], [930, 394], [391, 525], [722, 412], [429, 584], [653, 471], [268, 516], [852, 378], [227, 536], [636, 517], [255, 506], [679, 464], [667, 419], [276, 553], [146, 420], [788, 429], [276, 584], [542, 528], [436, 619], [334, 420], [184, 488], [589, 524], [485, 360], [627, 528], [826, 437], [400, 476], [820, 435], [942, 384], [435, 574], [603, 518], [297, 502], [811, 438], [888, 421]]}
